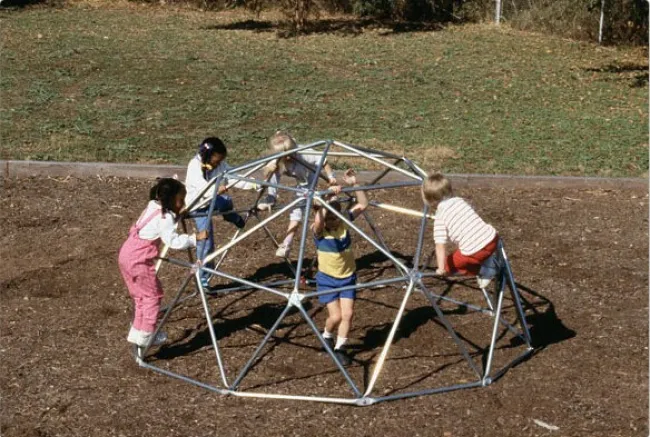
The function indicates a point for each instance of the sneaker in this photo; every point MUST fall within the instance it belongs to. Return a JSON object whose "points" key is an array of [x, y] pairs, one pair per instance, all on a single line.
{"points": [[266, 203], [240, 223], [330, 343], [343, 357], [134, 335], [160, 338], [483, 283], [205, 282], [283, 251]]}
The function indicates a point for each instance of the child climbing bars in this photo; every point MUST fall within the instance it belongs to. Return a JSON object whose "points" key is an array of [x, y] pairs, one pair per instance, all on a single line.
{"points": [[337, 267], [137, 254], [457, 222], [290, 165]]}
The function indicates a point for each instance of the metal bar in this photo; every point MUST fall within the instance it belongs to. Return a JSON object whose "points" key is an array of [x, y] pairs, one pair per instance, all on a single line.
{"points": [[245, 282], [228, 186], [384, 172], [253, 229], [329, 350], [246, 287], [273, 157], [295, 398], [497, 316], [305, 218], [375, 230], [268, 184], [369, 150], [168, 311], [451, 331], [259, 348], [390, 256], [213, 336], [417, 170], [515, 294], [357, 286], [389, 340], [372, 187], [343, 154], [184, 378], [400, 209], [423, 227], [427, 392], [379, 161], [511, 364]]}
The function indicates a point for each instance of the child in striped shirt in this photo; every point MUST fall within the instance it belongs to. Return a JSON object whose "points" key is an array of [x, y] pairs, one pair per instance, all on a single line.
{"points": [[458, 223], [337, 266]]}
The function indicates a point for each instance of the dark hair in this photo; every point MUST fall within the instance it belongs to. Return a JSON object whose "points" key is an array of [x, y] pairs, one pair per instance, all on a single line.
{"points": [[165, 190], [209, 147]]}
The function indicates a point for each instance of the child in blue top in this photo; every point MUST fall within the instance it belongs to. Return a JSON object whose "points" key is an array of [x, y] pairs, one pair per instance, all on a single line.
{"points": [[337, 266]]}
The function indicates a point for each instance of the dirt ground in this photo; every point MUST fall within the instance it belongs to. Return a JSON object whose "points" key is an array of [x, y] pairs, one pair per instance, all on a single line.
{"points": [[580, 259]]}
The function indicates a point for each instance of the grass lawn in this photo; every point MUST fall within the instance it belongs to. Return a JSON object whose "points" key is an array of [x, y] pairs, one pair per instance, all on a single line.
{"points": [[143, 84]]}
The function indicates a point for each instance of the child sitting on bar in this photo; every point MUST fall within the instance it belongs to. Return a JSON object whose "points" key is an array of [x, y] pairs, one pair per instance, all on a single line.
{"points": [[457, 222], [337, 266]]}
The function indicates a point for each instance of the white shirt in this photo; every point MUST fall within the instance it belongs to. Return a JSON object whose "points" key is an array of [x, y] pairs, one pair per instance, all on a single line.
{"points": [[164, 227], [458, 222], [299, 172], [195, 182]]}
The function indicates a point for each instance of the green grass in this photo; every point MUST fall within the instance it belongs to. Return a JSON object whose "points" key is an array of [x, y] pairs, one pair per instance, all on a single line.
{"points": [[146, 85]]}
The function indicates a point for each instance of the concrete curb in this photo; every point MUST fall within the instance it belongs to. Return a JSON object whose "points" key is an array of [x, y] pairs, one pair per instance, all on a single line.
{"points": [[26, 169]]}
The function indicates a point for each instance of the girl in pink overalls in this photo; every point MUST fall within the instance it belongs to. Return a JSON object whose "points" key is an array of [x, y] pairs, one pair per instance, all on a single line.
{"points": [[138, 253]]}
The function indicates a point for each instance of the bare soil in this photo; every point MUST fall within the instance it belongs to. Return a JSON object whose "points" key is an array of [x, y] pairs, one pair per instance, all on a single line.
{"points": [[580, 259]]}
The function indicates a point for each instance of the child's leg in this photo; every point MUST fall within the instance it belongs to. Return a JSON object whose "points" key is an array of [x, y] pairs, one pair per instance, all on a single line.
{"points": [[347, 310], [224, 203], [129, 280], [333, 315], [470, 264], [150, 293], [202, 223], [291, 232]]}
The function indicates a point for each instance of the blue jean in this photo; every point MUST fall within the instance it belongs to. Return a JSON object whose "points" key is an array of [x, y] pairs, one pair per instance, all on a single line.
{"points": [[223, 203]]}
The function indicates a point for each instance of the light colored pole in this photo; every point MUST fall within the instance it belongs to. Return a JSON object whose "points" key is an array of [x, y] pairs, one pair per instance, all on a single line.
{"points": [[602, 20], [497, 17]]}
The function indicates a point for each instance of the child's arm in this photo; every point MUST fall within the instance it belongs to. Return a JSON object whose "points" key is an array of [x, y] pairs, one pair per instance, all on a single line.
{"points": [[441, 256], [329, 173], [319, 221], [362, 200], [170, 236]]}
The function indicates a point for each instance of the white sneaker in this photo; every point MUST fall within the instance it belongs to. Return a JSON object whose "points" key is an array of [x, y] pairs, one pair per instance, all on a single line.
{"points": [[483, 283], [266, 203], [134, 335], [144, 337], [283, 251]]}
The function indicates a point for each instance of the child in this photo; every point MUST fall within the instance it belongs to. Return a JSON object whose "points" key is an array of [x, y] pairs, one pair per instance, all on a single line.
{"points": [[457, 222], [337, 267], [209, 162], [137, 256], [290, 165]]}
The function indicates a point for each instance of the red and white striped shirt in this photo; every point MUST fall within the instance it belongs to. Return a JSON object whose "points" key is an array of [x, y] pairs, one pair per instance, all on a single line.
{"points": [[458, 222]]}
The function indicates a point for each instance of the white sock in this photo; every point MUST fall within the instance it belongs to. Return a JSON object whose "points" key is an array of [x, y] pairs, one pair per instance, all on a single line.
{"points": [[340, 341], [327, 334]]}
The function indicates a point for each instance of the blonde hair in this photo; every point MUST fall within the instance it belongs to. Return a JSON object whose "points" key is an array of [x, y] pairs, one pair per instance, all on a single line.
{"points": [[279, 142], [435, 188]]}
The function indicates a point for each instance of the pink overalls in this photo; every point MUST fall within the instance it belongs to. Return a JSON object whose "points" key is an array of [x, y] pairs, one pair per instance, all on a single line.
{"points": [[136, 261]]}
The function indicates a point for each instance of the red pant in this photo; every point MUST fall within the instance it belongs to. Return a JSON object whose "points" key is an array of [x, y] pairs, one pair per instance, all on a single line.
{"points": [[470, 264]]}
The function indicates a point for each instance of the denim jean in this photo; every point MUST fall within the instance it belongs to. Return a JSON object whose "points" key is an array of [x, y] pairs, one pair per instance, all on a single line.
{"points": [[223, 203]]}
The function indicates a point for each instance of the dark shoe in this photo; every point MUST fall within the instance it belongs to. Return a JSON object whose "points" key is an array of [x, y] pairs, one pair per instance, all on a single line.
{"points": [[266, 203], [343, 357], [330, 343], [240, 222]]}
